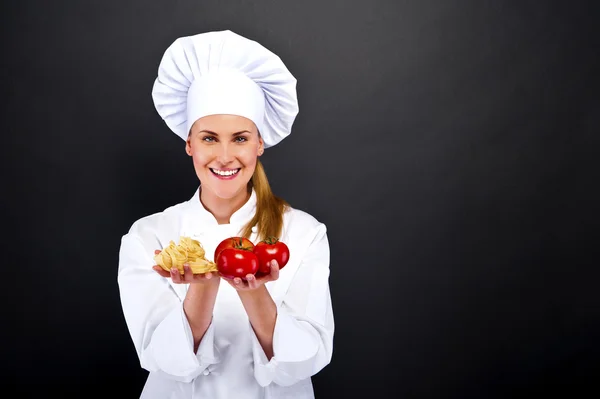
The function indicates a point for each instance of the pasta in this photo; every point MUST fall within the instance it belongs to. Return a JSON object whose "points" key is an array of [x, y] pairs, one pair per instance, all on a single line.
{"points": [[187, 251]]}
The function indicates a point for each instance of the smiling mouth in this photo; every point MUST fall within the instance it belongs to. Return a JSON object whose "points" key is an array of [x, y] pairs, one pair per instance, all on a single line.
{"points": [[225, 173]]}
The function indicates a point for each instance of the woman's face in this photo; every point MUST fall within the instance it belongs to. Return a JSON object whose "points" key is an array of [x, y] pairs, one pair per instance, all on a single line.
{"points": [[224, 149]]}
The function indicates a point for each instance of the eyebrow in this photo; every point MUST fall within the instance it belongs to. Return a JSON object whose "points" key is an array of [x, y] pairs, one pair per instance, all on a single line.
{"points": [[216, 134]]}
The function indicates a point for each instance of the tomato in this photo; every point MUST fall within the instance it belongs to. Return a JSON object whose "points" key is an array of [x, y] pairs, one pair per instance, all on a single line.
{"points": [[269, 249], [233, 242], [236, 262]]}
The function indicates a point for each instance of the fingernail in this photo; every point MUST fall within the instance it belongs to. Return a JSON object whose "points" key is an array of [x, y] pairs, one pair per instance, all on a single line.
{"points": [[173, 270]]}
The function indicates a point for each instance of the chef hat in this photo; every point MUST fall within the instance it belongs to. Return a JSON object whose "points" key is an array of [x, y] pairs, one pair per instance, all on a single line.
{"points": [[225, 73]]}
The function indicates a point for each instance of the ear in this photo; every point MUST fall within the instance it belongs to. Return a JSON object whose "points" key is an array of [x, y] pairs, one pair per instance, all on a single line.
{"points": [[188, 147], [261, 146]]}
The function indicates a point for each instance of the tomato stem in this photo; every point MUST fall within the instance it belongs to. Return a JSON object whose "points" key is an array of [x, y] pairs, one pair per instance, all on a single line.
{"points": [[271, 240]]}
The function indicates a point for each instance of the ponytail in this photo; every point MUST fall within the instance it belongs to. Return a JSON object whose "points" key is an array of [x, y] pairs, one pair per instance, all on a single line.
{"points": [[268, 217]]}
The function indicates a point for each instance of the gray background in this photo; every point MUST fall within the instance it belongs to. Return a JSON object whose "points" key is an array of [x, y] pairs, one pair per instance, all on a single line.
{"points": [[448, 145]]}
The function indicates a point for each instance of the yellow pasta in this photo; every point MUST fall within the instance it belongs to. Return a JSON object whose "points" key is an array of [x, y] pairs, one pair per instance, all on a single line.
{"points": [[187, 251]]}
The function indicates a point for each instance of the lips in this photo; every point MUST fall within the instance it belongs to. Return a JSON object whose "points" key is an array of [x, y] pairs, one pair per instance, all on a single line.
{"points": [[225, 174]]}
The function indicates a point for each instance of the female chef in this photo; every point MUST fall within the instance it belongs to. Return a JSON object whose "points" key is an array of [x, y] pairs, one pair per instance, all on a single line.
{"points": [[201, 335]]}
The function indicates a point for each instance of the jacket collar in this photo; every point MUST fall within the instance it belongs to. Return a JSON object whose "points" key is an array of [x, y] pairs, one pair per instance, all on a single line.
{"points": [[239, 217]]}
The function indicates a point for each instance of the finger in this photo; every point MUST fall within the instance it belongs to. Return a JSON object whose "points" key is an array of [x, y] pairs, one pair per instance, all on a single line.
{"points": [[175, 276], [274, 270], [203, 276], [238, 283], [274, 265], [161, 271], [251, 279], [188, 276]]}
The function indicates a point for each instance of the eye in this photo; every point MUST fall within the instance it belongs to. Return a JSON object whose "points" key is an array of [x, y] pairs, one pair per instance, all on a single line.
{"points": [[208, 139], [240, 139]]}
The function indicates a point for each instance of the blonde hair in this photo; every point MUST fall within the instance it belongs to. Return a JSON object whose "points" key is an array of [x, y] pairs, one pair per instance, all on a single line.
{"points": [[269, 208]]}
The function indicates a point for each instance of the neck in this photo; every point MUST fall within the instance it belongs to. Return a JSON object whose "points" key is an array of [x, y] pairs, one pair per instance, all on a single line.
{"points": [[223, 208]]}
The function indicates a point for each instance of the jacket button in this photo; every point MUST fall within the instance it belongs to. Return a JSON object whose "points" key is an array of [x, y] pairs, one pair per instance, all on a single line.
{"points": [[206, 372]]}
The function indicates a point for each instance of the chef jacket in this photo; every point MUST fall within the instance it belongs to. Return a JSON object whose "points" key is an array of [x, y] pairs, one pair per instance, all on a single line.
{"points": [[229, 362]]}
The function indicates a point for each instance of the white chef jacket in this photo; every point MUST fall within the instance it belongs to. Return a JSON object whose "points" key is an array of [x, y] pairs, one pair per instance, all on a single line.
{"points": [[229, 362]]}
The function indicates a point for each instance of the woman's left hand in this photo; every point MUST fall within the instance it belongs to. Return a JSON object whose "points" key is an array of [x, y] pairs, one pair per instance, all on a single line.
{"points": [[252, 282]]}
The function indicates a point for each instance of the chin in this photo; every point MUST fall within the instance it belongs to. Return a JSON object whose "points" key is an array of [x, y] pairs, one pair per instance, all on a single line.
{"points": [[224, 192], [228, 194]]}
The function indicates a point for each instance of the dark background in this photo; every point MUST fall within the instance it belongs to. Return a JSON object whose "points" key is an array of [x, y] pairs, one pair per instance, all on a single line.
{"points": [[449, 146]]}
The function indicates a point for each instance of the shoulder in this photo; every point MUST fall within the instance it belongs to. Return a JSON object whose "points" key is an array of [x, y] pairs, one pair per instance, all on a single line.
{"points": [[298, 222], [150, 227], [300, 217]]}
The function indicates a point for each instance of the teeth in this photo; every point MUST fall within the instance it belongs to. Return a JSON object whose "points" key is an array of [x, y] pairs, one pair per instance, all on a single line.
{"points": [[225, 172]]}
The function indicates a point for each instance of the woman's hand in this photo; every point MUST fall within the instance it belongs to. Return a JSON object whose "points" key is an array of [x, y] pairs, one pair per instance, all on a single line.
{"points": [[252, 282], [188, 277]]}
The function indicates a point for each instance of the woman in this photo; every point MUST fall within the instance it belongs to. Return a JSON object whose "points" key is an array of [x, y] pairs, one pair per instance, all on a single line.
{"points": [[204, 335]]}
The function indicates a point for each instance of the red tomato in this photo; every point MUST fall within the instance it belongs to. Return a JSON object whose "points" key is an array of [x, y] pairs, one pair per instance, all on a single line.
{"points": [[234, 262], [233, 242], [270, 249]]}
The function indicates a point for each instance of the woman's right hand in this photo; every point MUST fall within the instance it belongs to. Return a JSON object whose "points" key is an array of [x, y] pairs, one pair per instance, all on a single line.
{"points": [[188, 277]]}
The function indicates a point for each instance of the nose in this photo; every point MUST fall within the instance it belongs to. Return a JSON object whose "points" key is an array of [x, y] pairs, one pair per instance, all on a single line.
{"points": [[225, 154]]}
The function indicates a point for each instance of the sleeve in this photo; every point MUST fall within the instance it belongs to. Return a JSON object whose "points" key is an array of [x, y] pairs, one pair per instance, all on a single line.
{"points": [[303, 335], [155, 318]]}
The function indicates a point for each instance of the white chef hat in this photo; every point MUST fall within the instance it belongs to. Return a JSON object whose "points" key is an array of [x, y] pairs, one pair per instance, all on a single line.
{"points": [[224, 73]]}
